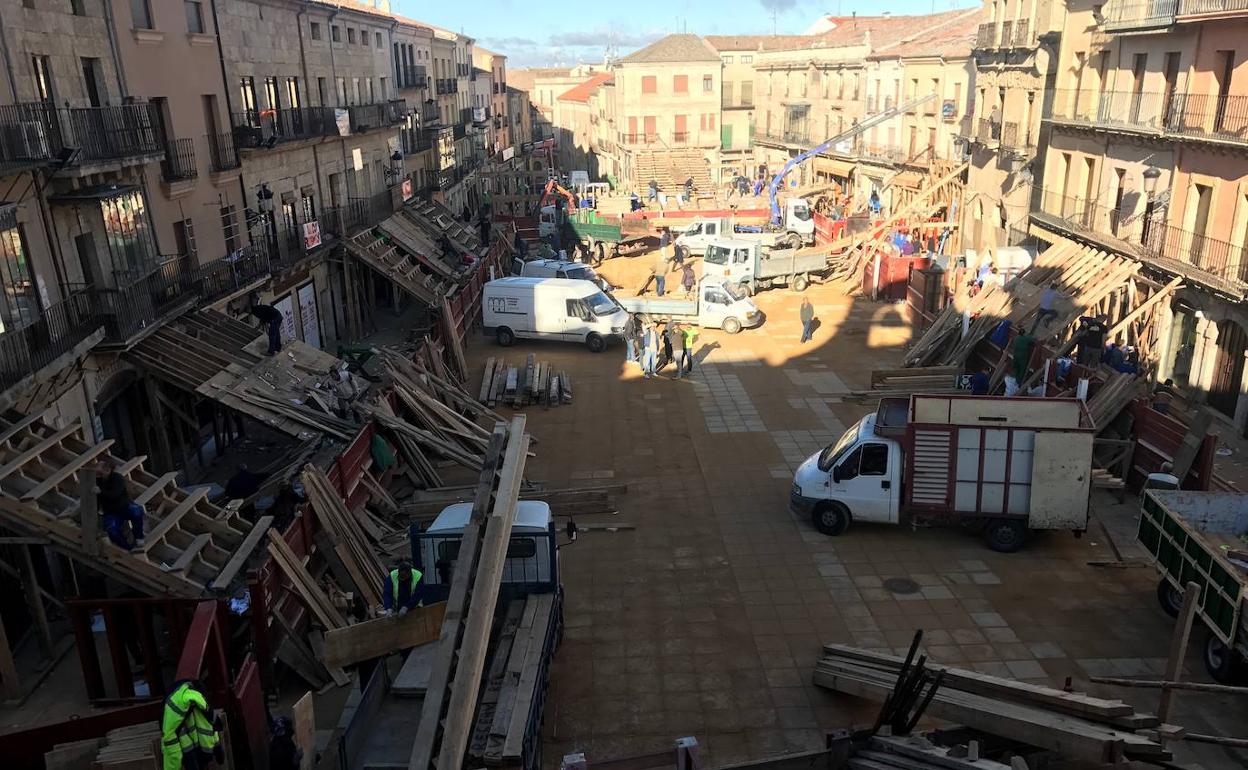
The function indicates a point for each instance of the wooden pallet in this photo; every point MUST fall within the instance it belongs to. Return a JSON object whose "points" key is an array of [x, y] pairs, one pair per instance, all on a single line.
{"points": [[193, 547]]}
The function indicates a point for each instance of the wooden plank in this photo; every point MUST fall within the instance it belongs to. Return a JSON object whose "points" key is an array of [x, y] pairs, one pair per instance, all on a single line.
{"points": [[303, 714], [513, 746], [236, 562], [1185, 455], [382, 636], [88, 516], [39, 448], [21, 425], [413, 678], [1178, 647], [425, 743], [171, 520], [190, 552], [155, 488], [67, 470], [472, 648], [303, 583]]}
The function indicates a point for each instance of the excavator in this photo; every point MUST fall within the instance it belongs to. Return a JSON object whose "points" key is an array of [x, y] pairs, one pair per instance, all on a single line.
{"points": [[773, 189], [554, 188]]}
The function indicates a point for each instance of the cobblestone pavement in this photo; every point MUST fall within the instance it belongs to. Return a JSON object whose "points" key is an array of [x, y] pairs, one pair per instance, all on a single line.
{"points": [[707, 619]]}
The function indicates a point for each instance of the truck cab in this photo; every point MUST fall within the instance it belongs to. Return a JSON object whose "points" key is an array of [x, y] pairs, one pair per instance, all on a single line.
{"points": [[701, 232], [856, 478], [532, 559], [731, 259]]}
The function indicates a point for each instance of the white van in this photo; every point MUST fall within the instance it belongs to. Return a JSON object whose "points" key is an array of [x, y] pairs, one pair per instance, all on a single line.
{"points": [[529, 554], [551, 308], [562, 268]]}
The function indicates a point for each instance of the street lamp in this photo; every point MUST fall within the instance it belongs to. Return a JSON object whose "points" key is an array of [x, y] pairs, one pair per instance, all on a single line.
{"points": [[1151, 175]]}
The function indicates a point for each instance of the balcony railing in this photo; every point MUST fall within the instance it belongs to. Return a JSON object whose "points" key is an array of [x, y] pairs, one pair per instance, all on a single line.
{"points": [[989, 131], [110, 133], [680, 137], [886, 152], [1198, 116], [1007, 34], [465, 115], [368, 116], [222, 277], [1193, 7], [1139, 14], [27, 135], [1022, 33], [1166, 246], [25, 350], [266, 128], [412, 76], [179, 162], [986, 36], [799, 136], [135, 305], [221, 152], [1010, 136]]}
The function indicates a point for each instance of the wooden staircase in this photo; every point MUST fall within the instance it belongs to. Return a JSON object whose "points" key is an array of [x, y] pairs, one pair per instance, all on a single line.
{"points": [[192, 548], [670, 168]]}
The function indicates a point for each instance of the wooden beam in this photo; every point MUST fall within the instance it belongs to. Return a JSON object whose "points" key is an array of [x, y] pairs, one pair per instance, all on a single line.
{"points": [[10, 681], [236, 562], [156, 487], [1143, 307], [171, 520], [39, 448], [1178, 647], [30, 581], [189, 553], [88, 517], [382, 636], [21, 425], [67, 470], [480, 618]]}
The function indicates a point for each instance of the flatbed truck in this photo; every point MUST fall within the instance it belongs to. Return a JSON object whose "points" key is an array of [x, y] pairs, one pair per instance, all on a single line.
{"points": [[754, 267], [1007, 466], [718, 304]]}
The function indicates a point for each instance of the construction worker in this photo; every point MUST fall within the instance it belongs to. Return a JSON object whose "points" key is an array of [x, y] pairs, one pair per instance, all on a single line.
{"points": [[401, 590], [189, 731]]}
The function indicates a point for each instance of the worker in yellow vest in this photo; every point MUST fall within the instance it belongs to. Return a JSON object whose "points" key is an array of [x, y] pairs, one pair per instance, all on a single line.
{"points": [[401, 589], [189, 731]]}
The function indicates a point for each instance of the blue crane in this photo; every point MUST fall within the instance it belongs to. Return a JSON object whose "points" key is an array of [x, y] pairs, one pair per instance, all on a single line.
{"points": [[777, 217]]}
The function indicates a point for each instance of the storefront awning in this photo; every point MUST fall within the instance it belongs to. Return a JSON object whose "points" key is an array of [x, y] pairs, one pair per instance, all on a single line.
{"points": [[911, 179], [96, 193], [838, 168]]}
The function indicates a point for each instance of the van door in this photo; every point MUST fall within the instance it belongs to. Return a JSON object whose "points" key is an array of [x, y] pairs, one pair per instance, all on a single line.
{"points": [[577, 320], [743, 263], [714, 306], [862, 481]]}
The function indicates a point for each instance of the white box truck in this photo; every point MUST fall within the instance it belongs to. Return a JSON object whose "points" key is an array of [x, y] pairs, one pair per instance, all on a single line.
{"points": [[551, 308], [1006, 465]]}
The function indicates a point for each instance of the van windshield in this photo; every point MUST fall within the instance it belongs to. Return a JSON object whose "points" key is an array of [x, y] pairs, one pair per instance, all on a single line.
{"points": [[579, 272], [717, 255], [735, 290], [600, 304], [801, 212], [833, 451]]}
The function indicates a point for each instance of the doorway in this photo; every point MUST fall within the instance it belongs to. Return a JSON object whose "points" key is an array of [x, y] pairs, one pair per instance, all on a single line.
{"points": [[1228, 368]]}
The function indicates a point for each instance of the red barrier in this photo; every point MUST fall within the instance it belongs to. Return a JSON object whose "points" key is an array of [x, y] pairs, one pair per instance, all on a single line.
{"points": [[24, 749], [828, 229]]}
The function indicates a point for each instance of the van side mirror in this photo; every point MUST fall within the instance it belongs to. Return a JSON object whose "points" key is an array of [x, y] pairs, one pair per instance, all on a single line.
{"points": [[836, 474]]}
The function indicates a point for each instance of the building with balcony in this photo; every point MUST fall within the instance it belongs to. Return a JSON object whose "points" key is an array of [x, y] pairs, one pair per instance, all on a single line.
{"points": [[1147, 157], [737, 83], [668, 99], [584, 142], [496, 65], [1015, 57]]}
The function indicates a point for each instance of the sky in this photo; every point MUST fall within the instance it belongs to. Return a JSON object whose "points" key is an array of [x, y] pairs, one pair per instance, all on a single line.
{"points": [[549, 34]]}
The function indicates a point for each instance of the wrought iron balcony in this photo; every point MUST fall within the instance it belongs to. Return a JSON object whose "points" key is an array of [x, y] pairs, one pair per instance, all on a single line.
{"points": [[27, 135], [413, 76], [144, 301], [265, 128], [1218, 7], [27, 349], [222, 277], [221, 152], [1211, 261], [989, 132], [1022, 33], [1195, 116], [179, 162], [1133, 15], [986, 36], [367, 117]]}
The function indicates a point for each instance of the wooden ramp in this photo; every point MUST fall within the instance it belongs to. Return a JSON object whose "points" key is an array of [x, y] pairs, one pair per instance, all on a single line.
{"points": [[440, 220], [399, 266], [192, 547], [419, 244]]}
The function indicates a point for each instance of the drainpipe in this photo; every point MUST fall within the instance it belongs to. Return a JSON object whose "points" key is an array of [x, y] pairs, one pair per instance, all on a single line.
{"points": [[8, 61], [111, 23]]}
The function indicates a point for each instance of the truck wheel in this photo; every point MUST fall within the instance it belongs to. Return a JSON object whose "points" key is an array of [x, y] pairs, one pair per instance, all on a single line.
{"points": [[505, 337], [831, 519], [800, 283], [595, 343], [793, 241], [748, 287], [1224, 664], [732, 325], [1005, 535], [1171, 598]]}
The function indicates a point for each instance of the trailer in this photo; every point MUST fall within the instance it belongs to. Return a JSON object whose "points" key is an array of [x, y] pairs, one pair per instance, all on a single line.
{"points": [[1202, 538], [1005, 465], [600, 236], [754, 267]]}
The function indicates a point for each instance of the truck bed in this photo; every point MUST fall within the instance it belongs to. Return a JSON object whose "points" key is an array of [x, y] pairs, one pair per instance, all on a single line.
{"points": [[661, 306], [789, 262], [1189, 537]]}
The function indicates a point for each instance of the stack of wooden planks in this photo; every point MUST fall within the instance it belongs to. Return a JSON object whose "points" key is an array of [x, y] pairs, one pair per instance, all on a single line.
{"points": [[533, 382], [1077, 726], [1119, 390], [352, 546], [515, 683], [904, 382], [130, 748]]}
